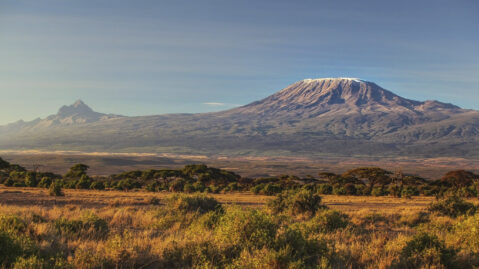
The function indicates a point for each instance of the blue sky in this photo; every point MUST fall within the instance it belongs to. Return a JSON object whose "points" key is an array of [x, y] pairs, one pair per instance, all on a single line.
{"points": [[152, 57]]}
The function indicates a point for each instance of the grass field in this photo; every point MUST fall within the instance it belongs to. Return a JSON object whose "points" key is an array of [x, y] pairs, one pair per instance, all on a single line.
{"points": [[97, 199], [138, 229]]}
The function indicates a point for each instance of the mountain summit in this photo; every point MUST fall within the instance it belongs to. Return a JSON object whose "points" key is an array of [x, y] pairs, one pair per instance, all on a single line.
{"points": [[76, 113], [325, 117], [325, 96]]}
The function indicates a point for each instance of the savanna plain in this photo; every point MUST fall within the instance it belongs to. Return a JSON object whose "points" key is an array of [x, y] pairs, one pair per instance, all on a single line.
{"points": [[196, 221]]}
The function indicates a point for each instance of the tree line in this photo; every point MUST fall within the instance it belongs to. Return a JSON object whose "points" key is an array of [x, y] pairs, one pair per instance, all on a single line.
{"points": [[192, 178]]}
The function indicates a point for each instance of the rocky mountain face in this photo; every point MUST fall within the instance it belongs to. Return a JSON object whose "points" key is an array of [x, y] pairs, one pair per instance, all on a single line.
{"points": [[74, 114], [312, 117]]}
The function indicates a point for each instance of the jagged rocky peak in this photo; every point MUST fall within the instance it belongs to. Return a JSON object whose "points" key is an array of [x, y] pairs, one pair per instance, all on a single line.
{"points": [[77, 108]]}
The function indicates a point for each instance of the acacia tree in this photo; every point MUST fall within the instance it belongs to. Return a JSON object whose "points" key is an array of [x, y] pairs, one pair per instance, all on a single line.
{"points": [[334, 179], [373, 175], [459, 178], [77, 171]]}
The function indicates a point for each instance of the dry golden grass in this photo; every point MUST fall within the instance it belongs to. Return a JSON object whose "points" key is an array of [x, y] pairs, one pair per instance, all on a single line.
{"points": [[93, 199], [139, 231]]}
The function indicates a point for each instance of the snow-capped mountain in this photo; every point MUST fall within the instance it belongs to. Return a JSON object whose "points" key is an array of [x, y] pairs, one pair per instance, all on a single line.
{"points": [[326, 116]]}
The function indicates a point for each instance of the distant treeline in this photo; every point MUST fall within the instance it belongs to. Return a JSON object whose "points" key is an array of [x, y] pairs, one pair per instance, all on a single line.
{"points": [[201, 178]]}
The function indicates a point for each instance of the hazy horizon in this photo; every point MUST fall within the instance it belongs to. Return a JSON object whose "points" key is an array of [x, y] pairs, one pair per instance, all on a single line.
{"points": [[151, 57]]}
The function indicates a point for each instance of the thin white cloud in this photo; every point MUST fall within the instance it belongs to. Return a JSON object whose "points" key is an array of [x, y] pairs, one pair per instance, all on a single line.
{"points": [[218, 104], [214, 104]]}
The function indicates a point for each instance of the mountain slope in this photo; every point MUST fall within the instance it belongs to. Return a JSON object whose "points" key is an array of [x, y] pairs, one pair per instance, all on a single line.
{"points": [[311, 117]]}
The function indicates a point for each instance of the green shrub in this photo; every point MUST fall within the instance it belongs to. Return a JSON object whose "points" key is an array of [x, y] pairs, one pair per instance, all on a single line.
{"points": [[19, 184], [9, 249], [466, 232], [452, 206], [325, 189], [193, 203], [426, 251], [339, 190], [177, 185], [55, 189], [327, 221], [84, 182], [45, 182], [409, 191], [350, 189], [249, 229], [257, 188], [271, 189], [466, 192], [295, 251], [199, 186], [9, 182], [32, 262], [378, 191], [31, 180], [12, 224], [189, 188], [192, 255], [154, 201], [97, 185], [361, 190], [296, 202]]}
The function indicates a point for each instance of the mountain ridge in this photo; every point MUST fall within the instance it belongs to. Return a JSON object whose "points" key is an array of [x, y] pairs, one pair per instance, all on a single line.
{"points": [[340, 116]]}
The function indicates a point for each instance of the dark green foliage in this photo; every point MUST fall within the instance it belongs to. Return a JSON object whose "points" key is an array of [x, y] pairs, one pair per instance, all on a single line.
{"points": [[45, 182], [378, 191], [373, 175], [12, 224], [97, 185], [194, 203], [192, 255], [31, 179], [189, 188], [409, 191], [77, 171], [154, 201], [84, 182], [459, 178], [426, 251], [55, 189], [127, 184], [9, 182], [350, 189], [298, 202], [293, 247], [9, 249], [209, 175], [452, 206], [199, 186], [327, 220], [325, 189], [177, 185], [32, 262], [339, 190], [19, 184], [250, 229]]}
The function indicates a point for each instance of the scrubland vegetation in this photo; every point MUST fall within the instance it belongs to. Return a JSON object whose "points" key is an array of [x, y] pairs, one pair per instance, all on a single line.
{"points": [[296, 228]]}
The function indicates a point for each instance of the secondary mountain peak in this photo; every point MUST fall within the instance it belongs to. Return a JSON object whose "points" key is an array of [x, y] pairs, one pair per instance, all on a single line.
{"points": [[78, 108]]}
